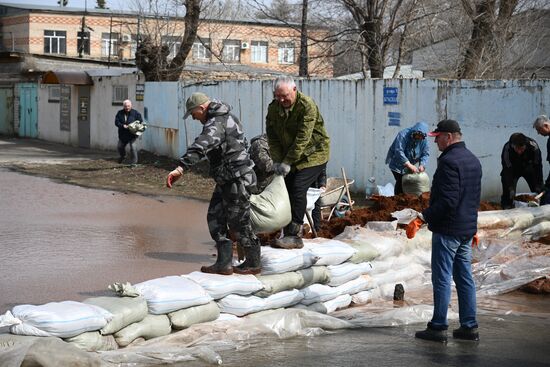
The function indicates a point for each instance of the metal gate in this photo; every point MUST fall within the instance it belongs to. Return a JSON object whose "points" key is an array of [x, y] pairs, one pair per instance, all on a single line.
{"points": [[28, 110], [6, 110]]}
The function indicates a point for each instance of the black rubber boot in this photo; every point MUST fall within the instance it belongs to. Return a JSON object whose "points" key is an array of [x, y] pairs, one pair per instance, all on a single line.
{"points": [[432, 335], [291, 239], [466, 334], [222, 265], [252, 263]]}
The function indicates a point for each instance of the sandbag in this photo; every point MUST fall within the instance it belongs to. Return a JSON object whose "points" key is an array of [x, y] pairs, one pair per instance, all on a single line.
{"points": [[150, 327], [93, 341], [270, 210], [416, 183], [276, 261], [340, 274], [219, 286], [386, 246], [244, 305], [125, 311], [364, 251], [275, 283], [356, 285], [318, 293], [329, 251], [339, 302], [166, 294], [62, 319], [193, 315]]}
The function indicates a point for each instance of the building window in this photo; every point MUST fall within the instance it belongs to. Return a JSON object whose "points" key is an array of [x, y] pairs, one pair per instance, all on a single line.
{"points": [[231, 51], [55, 42], [286, 53], [201, 49], [120, 94], [106, 41], [83, 43], [173, 43], [258, 51], [54, 92]]}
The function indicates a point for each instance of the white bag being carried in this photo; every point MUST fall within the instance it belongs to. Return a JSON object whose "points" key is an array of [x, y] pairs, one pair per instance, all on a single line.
{"points": [[270, 210], [166, 294], [329, 252], [125, 311], [276, 261], [62, 319], [416, 183], [219, 286]]}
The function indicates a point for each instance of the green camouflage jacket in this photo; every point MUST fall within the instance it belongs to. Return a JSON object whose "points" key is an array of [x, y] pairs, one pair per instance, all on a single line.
{"points": [[300, 139]]}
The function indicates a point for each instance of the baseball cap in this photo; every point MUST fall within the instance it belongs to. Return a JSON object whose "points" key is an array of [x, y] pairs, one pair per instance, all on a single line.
{"points": [[193, 102], [446, 126]]}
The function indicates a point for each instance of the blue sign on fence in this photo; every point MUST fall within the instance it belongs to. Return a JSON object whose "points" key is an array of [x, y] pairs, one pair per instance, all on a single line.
{"points": [[391, 95], [394, 119]]}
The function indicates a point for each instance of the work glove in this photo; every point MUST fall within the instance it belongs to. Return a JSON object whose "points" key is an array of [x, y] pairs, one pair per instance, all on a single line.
{"points": [[174, 176], [281, 169], [413, 227], [475, 240]]}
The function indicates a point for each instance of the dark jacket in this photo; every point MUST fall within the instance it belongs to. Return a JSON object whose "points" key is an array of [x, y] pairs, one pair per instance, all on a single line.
{"points": [[263, 164], [531, 157], [299, 139], [222, 141], [122, 119], [455, 193]]}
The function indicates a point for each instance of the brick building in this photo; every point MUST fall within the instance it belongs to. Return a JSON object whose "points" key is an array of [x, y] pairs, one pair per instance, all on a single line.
{"points": [[101, 34]]}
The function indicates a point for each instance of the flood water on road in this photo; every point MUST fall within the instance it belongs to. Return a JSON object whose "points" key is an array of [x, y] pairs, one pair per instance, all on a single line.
{"points": [[62, 242]]}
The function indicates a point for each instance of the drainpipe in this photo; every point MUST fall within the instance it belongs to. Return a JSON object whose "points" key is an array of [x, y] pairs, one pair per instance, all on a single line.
{"points": [[12, 42]]}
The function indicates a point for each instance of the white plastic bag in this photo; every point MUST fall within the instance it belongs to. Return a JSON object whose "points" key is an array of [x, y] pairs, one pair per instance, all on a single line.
{"points": [[276, 261], [219, 286], [340, 274], [329, 252], [318, 293], [62, 319]]}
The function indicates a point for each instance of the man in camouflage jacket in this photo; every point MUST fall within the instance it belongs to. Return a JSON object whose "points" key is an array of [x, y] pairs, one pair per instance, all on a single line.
{"points": [[222, 141], [263, 164], [299, 146]]}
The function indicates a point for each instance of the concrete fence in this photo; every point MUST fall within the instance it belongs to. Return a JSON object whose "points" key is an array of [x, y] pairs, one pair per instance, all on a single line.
{"points": [[363, 117]]}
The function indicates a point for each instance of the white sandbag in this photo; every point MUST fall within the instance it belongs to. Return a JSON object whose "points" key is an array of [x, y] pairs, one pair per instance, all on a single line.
{"points": [[241, 305], [393, 263], [166, 294], [62, 319], [356, 285], [386, 245], [339, 302], [219, 286], [151, 326], [392, 277], [270, 210], [227, 317], [276, 261], [368, 296], [313, 194], [364, 251], [275, 283], [537, 231], [416, 183], [125, 311], [381, 225], [194, 315], [318, 293], [329, 252], [93, 341], [283, 299], [340, 274]]}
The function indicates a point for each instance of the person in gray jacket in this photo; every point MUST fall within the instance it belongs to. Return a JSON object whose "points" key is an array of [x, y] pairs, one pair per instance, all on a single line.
{"points": [[222, 141]]}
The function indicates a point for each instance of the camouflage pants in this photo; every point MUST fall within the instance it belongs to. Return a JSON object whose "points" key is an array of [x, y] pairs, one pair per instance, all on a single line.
{"points": [[229, 209]]}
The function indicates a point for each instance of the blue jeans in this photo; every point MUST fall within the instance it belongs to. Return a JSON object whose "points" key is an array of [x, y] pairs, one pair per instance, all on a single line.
{"points": [[452, 256]]}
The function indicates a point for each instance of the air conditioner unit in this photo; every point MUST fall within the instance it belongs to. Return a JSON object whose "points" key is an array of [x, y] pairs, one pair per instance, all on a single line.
{"points": [[126, 38], [245, 45]]}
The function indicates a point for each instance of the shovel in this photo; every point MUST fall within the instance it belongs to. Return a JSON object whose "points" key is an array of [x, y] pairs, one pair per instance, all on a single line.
{"points": [[535, 201]]}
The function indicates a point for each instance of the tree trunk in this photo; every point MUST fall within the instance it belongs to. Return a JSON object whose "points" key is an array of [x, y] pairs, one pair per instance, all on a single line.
{"points": [[372, 37], [191, 21], [303, 68]]}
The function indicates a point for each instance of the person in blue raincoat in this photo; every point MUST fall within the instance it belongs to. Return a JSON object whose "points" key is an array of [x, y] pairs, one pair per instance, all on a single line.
{"points": [[409, 149]]}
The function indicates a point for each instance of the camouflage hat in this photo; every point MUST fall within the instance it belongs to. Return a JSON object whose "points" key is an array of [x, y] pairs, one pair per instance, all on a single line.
{"points": [[194, 101]]}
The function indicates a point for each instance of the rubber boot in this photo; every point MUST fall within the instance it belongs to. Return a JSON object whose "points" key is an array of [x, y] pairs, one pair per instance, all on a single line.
{"points": [[432, 334], [465, 333], [291, 239], [222, 265], [252, 264]]}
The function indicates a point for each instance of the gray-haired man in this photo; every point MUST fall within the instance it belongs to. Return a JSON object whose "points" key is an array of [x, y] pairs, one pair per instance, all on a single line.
{"points": [[542, 125], [222, 141]]}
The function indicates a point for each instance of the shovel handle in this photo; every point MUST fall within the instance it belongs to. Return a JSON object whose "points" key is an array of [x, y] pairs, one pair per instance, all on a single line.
{"points": [[539, 195]]}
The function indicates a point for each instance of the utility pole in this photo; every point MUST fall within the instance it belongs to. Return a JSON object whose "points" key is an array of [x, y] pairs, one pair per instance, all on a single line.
{"points": [[303, 68]]}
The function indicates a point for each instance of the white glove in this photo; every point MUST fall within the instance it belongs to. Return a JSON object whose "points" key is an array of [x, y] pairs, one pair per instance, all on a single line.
{"points": [[281, 169]]}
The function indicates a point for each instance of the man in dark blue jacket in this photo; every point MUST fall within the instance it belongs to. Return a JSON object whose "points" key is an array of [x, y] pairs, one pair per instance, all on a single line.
{"points": [[542, 125], [124, 118], [452, 218]]}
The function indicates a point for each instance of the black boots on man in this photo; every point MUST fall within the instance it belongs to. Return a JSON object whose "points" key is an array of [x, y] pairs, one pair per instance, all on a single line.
{"points": [[432, 334], [222, 265], [466, 334], [252, 263], [291, 239]]}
